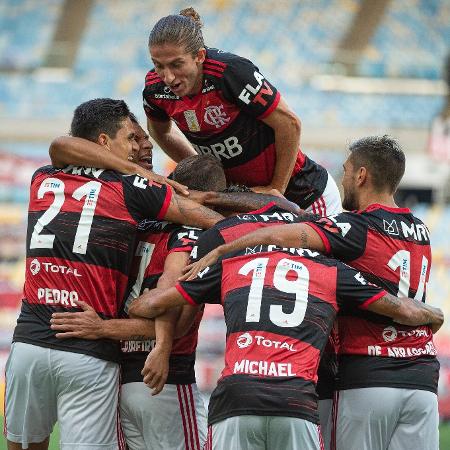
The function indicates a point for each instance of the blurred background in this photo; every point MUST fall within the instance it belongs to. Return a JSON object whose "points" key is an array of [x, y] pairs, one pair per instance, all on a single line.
{"points": [[348, 68]]}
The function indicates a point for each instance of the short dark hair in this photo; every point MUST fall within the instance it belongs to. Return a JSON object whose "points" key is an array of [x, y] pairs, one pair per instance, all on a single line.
{"points": [[133, 118], [383, 158], [101, 115], [201, 172]]}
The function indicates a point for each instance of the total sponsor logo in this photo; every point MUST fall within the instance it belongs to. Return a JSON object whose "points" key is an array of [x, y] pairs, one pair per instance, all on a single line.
{"points": [[246, 339], [36, 266], [390, 333], [265, 368], [57, 296]]}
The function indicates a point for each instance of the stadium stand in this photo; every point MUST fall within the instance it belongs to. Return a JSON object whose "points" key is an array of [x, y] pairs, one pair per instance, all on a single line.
{"points": [[412, 41], [307, 32], [293, 42]]}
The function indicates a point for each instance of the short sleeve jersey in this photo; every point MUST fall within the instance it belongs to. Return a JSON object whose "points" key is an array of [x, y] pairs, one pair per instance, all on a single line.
{"points": [[81, 224], [279, 308], [155, 241], [391, 247], [225, 120]]}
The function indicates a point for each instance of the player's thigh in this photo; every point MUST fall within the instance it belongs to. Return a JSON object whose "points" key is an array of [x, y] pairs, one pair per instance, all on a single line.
{"points": [[291, 433], [238, 433], [325, 408], [175, 419], [30, 395], [366, 418], [88, 390], [418, 425]]}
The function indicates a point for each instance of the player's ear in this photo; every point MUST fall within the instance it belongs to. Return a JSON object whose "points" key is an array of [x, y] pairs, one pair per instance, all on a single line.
{"points": [[103, 139], [361, 176], [201, 55]]}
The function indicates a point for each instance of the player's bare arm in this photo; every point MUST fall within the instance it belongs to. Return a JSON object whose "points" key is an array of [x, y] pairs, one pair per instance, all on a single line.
{"points": [[290, 235], [241, 201], [155, 302], [286, 126], [156, 367], [65, 150], [170, 139], [185, 211], [408, 311], [89, 325]]}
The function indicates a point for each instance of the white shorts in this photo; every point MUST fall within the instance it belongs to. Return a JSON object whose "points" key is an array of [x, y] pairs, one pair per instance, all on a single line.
{"points": [[329, 203], [385, 418], [250, 432], [175, 419], [325, 408], [44, 385]]}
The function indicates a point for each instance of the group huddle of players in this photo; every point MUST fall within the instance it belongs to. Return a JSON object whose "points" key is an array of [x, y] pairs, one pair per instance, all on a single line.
{"points": [[329, 342]]}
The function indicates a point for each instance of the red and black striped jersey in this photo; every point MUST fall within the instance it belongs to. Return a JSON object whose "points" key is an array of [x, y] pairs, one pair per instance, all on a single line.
{"points": [[233, 227], [81, 224], [225, 120], [279, 306], [391, 247], [155, 241]]}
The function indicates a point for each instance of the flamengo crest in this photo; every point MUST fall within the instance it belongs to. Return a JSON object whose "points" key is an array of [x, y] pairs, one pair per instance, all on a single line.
{"points": [[215, 115]]}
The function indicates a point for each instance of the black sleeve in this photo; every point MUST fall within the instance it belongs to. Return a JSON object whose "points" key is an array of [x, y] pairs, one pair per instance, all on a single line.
{"points": [[344, 235], [183, 239], [209, 240], [145, 199], [353, 289], [244, 86], [152, 110], [206, 288]]}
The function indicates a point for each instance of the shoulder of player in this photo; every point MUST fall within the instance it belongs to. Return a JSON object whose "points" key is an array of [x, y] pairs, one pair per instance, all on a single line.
{"points": [[45, 171], [156, 89], [223, 63], [153, 81]]}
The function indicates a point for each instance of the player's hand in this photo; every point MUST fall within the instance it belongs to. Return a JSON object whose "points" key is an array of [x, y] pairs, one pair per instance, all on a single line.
{"points": [[267, 190], [152, 176], [156, 369], [191, 271], [86, 324], [199, 196]]}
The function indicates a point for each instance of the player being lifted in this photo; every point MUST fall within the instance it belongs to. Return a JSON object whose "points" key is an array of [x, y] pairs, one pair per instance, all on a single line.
{"points": [[224, 106]]}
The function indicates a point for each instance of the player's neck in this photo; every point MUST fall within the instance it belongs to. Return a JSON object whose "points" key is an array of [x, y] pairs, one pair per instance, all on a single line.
{"points": [[384, 199]]}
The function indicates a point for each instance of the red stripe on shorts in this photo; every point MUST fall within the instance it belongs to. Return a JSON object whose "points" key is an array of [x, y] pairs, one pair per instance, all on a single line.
{"points": [[183, 418], [193, 406], [189, 418]]}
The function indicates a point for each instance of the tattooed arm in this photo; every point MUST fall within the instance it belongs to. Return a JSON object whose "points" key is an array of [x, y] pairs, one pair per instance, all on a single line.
{"points": [[243, 201], [290, 235], [187, 212], [408, 311]]}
